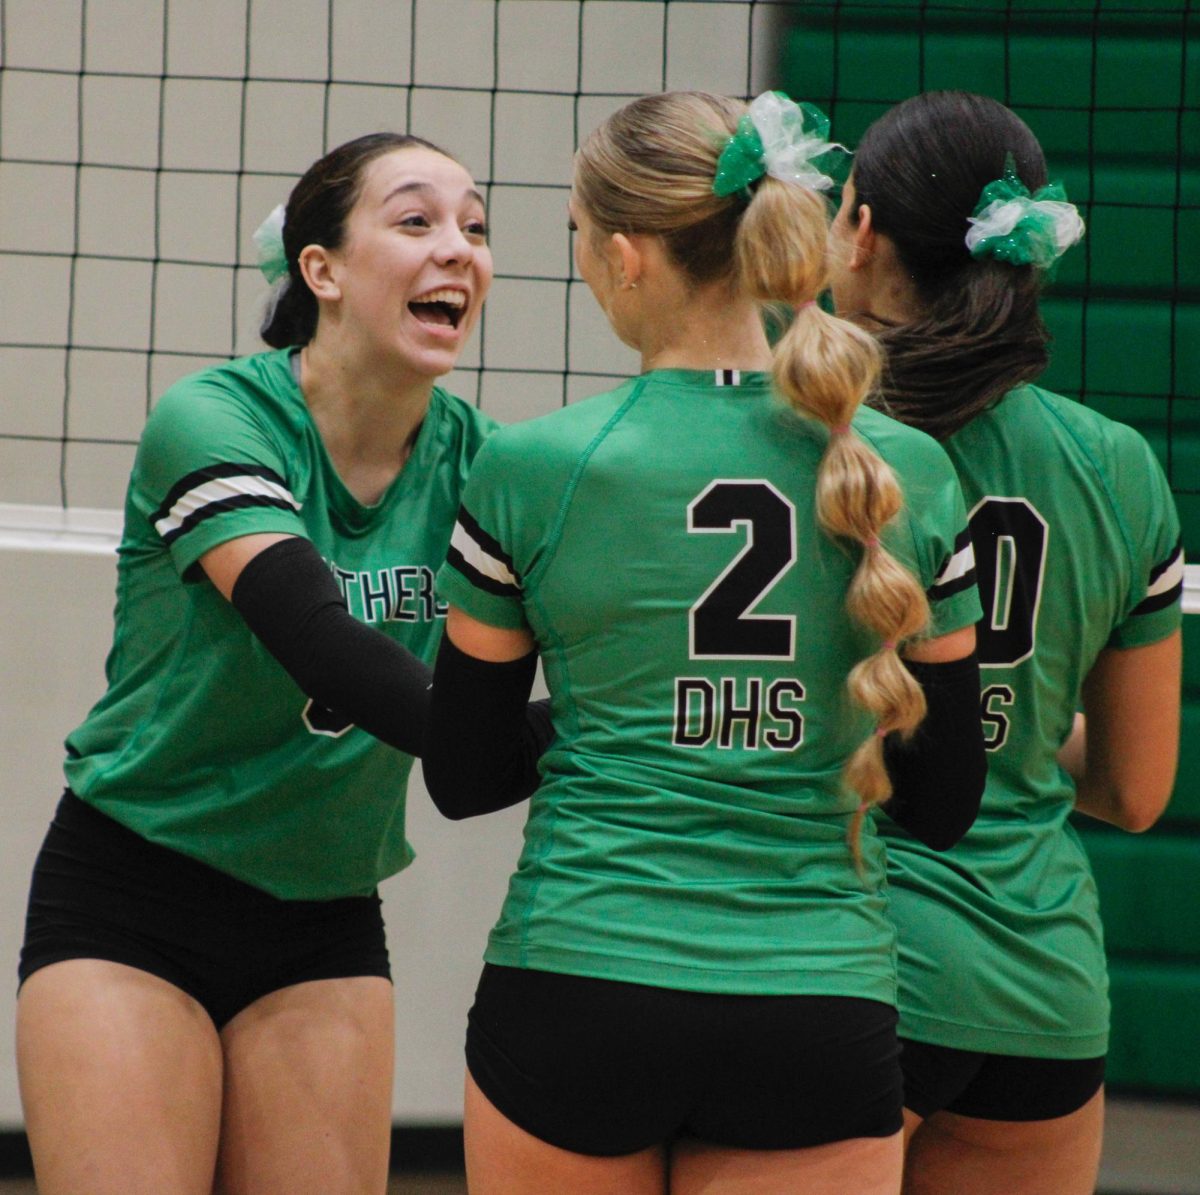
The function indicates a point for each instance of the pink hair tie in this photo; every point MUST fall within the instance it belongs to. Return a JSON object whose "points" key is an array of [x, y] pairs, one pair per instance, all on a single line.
{"points": [[842, 429], [888, 645], [807, 303], [872, 543], [880, 731], [864, 807]]}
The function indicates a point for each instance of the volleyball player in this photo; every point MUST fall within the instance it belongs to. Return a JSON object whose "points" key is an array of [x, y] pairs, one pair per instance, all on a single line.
{"points": [[690, 985], [940, 244], [205, 977]]}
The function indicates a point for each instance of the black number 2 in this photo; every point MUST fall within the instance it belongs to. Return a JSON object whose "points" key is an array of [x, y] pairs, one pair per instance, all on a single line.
{"points": [[722, 624], [1010, 539]]}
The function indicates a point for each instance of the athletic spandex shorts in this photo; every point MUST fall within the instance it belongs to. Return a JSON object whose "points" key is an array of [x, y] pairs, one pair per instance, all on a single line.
{"points": [[101, 891], [606, 1068], [995, 1086]]}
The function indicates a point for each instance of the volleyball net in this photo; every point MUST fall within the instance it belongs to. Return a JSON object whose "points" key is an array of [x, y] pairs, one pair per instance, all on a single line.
{"points": [[142, 141]]}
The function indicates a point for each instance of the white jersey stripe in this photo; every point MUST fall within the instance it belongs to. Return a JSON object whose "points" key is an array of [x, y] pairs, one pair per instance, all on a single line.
{"points": [[961, 563], [1171, 576], [480, 560], [221, 489]]}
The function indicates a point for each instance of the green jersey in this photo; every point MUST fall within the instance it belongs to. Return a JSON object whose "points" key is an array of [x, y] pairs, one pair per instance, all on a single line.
{"points": [[202, 742], [1077, 544], [661, 544]]}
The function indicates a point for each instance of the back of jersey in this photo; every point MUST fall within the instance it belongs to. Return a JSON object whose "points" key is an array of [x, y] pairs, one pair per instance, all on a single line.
{"points": [[662, 545], [1077, 549]]}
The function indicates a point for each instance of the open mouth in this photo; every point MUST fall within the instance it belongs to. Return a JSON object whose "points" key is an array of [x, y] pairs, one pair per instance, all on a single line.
{"points": [[441, 307]]}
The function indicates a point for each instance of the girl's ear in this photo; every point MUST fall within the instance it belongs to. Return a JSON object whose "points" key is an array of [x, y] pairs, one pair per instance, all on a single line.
{"points": [[863, 246], [626, 259], [316, 267]]}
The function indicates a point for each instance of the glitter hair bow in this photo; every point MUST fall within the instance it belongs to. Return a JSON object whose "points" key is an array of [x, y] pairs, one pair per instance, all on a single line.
{"points": [[777, 137], [268, 236], [1014, 226]]}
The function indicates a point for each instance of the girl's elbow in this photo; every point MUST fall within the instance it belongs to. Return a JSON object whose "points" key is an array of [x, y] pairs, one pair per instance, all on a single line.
{"points": [[1138, 808]]}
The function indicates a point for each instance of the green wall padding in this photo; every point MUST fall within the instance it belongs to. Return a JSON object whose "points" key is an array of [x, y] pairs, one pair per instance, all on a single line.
{"points": [[1156, 1027], [1149, 893], [1112, 89]]}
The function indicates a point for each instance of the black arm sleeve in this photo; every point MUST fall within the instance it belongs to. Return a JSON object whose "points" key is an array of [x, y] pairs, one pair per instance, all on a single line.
{"points": [[484, 740], [939, 774], [289, 599]]}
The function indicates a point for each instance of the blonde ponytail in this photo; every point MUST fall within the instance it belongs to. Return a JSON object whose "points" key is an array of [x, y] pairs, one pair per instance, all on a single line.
{"points": [[825, 367], [650, 168]]}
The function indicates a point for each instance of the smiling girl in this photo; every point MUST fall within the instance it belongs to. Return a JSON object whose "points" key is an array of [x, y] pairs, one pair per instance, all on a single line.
{"points": [[206, 994]]}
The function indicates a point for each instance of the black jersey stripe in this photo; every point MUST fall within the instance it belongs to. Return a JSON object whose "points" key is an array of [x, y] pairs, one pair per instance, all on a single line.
{"points": [[1165, 586], [241, 502], [1159, 569], [212, 473], [939, 593], [1159, 601], [487, 542], [959, 563], [480, 580]]}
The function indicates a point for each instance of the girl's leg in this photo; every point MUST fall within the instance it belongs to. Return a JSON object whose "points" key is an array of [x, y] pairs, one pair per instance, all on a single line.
{"points": [[120, 1076], [308, 1090], [964, 1155], [503, 1159], [864, 1166]]}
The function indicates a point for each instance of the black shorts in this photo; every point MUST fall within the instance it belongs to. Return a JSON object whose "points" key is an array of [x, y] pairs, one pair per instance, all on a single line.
{"points": [[102, 891], [606, 1068], [995, 1086]]}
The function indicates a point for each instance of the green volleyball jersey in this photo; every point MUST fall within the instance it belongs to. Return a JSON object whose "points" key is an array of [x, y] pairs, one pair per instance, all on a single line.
{"points": [[202, 742], [661, 544], [1077, 544]]}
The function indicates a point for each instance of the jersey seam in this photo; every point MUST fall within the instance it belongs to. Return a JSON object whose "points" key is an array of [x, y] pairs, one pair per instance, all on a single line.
{"points": [[531, 587], [1118, 514], [152, 713]]}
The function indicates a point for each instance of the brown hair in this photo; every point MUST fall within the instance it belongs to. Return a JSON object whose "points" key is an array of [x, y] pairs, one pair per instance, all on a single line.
{"points": [[649, 169], [316, 215], [921, 167]]}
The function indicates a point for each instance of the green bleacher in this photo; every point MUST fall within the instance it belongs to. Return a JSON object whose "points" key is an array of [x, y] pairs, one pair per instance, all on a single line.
{"points": [[1113, 91]]}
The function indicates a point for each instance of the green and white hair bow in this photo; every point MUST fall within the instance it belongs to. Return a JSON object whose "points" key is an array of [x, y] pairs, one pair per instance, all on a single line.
{"points": [[777, 137], [1023, 229], [268, 237]]}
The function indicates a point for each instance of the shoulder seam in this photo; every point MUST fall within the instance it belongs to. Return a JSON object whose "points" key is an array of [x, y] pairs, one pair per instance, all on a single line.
{"points": [[1118, 514], [532, 580]]}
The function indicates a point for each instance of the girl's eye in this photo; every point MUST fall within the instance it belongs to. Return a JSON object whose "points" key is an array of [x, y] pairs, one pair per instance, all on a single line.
{"points": [[414, 221], [477, 228]]}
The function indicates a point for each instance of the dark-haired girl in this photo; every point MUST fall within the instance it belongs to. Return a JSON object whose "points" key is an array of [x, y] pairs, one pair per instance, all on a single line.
{"points": [[941, 243], [206, 992]]}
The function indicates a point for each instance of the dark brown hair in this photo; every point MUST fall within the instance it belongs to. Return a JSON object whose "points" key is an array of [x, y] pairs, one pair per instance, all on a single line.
{"points": [[316, 215], [921, 167]]}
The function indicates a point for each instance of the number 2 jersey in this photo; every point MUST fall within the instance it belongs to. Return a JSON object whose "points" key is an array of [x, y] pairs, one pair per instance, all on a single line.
{"points": [[660, 542], [1077, 546], [202, 742]]}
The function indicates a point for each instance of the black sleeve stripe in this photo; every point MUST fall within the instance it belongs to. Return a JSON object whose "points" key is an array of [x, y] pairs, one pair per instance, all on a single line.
{"points": [[487, 542], [1159, 601], [212, 473], [939, 593], [1159, 569], [206, 512], [480, 580]]}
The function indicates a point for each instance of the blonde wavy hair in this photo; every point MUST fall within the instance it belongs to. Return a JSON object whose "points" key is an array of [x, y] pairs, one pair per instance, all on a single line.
{"points": [[649, 169]]}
